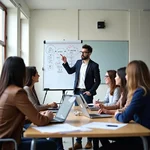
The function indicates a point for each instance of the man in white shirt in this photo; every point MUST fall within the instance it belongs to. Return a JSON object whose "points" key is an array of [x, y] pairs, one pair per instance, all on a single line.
{"points": [[87, 80]]}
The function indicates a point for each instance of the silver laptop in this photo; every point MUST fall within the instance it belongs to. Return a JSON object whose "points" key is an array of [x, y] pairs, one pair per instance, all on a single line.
{"points": [[89, 106], [54, 110], [64, 109], [86, 113]]}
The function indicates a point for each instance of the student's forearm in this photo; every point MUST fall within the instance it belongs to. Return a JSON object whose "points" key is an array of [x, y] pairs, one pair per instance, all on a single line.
{"points": [[42, 107], [113, 107], [111, 112]]}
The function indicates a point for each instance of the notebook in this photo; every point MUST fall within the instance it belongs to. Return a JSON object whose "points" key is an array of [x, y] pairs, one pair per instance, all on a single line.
{"points": [[89, 106], [86, 113], [64, 109]]}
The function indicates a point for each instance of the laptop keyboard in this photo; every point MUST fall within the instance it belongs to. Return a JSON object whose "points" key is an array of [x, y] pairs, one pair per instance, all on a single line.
{"points": [[58, 119], [94, 108], [94, 114], [53, 108]]}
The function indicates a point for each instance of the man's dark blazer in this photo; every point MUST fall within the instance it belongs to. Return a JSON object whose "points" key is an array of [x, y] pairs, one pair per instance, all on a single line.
{"points": [[92, 78]]}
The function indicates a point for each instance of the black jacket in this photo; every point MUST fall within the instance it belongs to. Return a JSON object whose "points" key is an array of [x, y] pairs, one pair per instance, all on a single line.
{"points": [[92, 78]]}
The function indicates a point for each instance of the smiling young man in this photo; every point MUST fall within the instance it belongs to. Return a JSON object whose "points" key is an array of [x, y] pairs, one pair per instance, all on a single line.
{"points": [[87, 80]]}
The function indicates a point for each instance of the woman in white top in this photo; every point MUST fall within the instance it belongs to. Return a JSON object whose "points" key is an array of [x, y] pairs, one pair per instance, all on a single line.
{"points": [[113, 92]]}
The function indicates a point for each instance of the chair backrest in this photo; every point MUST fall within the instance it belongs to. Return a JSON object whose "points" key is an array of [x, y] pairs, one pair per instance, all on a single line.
{"points": [[8, 140]]}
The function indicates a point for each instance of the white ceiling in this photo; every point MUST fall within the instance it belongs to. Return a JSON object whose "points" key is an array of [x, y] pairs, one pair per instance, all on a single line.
{"points": [[85, 4], [7, 3], [88, 4]]}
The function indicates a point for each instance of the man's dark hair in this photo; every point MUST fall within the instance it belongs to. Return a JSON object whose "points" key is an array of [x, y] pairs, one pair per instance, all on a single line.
{"points": [[88, 47]]}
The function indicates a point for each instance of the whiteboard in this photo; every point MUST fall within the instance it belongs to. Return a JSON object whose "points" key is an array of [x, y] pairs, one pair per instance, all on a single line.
{"points": [[109, 54], [55, 77]]}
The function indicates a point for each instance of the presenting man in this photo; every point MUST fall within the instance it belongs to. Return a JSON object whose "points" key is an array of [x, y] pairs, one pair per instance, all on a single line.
{"points": [[87, 80]]}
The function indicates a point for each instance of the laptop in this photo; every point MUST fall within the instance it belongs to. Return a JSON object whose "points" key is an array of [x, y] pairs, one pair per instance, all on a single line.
{"points": [[54, 110], [64, 109], [86, 113], [89, 106]]}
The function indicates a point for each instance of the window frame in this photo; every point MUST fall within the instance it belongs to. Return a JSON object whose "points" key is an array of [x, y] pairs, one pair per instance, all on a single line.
{"points": [[3, 43]]}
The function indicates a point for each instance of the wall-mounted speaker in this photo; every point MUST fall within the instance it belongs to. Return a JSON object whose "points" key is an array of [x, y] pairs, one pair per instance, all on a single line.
{"points": [[100, 25]]}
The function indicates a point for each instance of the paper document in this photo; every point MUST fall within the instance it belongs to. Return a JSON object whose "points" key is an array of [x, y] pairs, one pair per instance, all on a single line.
{"points": [[61, 128], [104, 125]]}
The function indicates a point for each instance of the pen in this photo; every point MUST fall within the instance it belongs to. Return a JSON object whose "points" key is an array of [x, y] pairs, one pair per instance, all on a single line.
{"points": [[109, 125]]}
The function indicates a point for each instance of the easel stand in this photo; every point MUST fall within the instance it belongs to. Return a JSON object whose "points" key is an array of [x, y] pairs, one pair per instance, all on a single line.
{"points": [[46, 90]]}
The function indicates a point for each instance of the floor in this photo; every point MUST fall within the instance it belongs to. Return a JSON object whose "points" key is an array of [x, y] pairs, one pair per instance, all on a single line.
{"points": [[67, 142]]}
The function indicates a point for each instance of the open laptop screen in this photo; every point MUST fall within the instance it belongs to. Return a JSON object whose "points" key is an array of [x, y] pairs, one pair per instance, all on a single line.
{"points": [[65, 106]]}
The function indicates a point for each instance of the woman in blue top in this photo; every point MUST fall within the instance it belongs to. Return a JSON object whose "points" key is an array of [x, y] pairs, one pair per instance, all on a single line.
{"points": [[138, 84]]}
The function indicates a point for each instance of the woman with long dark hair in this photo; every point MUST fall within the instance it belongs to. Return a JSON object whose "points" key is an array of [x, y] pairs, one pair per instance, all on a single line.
{"points": [[15, 105], [32, 77], [120, 81]]}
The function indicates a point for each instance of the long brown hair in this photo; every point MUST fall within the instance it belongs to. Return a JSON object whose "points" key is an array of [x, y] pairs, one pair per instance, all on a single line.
{"points": [[112, 75], [138, 75], [13, 73], [122, 74], [30, 72]]}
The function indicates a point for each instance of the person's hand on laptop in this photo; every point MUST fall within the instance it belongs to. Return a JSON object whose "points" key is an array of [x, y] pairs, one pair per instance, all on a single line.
{"points": [[53, 105], [96, 103], [101, 105], [49, 114], [102, 110]]}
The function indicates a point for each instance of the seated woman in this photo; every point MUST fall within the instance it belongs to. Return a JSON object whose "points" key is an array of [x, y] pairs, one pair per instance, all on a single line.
{"points": [[113, 91], [138, 84], [15, 105], [120, 81], [32, 77]]}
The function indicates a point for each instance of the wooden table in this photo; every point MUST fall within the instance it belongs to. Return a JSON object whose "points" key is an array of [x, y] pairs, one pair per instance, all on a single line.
{"points": [[130, 130]]}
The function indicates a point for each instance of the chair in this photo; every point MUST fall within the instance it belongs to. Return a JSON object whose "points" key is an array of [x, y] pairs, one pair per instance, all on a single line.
{"points": [[8, 140], [145, 142]]}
